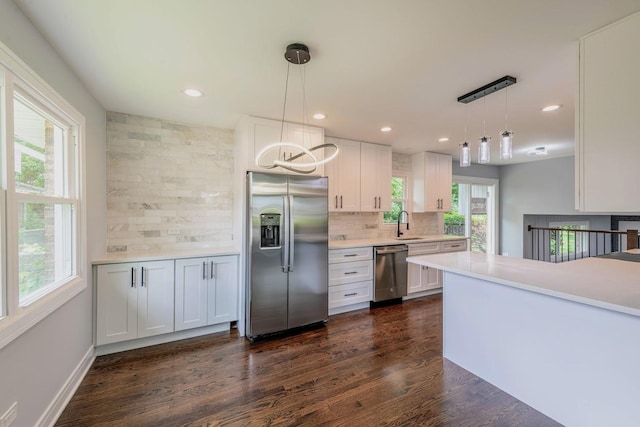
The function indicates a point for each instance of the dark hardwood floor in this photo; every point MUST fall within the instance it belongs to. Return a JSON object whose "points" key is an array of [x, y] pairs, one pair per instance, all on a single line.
{"points": [[366, 368]]}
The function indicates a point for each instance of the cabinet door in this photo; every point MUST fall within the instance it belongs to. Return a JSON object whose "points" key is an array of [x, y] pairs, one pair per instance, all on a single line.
{"points": [[413, 278], [155, 298], [430, 278], [375, 173], [607, 151], [222, 292], [344, 176], [117, 294], [445, 180], [191, 293]]}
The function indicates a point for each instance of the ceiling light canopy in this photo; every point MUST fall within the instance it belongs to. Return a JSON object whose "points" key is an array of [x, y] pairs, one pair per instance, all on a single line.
{"points": [[304, 161], [194, 93], [551, 108]]}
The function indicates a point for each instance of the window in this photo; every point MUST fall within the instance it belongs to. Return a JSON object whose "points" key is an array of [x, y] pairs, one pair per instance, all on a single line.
{"points": [[41, 203], [398, 199], [567, 244]]}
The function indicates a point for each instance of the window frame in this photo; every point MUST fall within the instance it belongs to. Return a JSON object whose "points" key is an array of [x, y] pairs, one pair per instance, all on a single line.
{"points": [[407, 196], [584, 239], [17, 77]]}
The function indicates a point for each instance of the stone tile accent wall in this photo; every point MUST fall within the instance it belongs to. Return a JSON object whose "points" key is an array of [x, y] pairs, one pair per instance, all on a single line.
{"points": [[401, 162], [169, 185], [368, 225]]}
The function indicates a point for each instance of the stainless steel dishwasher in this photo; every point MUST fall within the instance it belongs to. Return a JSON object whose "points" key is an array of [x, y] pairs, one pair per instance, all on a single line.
{"points": [[390, 280]]}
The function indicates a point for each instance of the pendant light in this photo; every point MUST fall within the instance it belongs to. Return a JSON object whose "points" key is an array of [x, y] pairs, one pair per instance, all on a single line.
{"points": [[506, 137], [298, 54], [465, 150], [484, 149]]}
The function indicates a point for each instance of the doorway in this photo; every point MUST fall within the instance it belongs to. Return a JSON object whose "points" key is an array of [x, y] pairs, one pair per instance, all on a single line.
{"points": [[474, 212]]}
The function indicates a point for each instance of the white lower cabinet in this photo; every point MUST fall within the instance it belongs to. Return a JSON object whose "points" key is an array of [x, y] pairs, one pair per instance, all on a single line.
{"points": [[422, 278], [206, 291], [134, 300], [350, 279], [137, 300]]}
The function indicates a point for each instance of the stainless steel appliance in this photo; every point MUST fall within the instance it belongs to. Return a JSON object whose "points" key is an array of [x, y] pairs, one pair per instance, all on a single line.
{"points": [[287, 247], [390, 280]]}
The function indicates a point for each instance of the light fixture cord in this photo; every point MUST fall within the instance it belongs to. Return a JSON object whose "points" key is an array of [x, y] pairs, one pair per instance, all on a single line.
{"points": [[465, 123], [284, 108], [303, 75], [484, 119], [506, 109]]}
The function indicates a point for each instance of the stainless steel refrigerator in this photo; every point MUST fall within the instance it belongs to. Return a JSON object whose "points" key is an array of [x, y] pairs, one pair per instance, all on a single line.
{"points": [[287, 247]]}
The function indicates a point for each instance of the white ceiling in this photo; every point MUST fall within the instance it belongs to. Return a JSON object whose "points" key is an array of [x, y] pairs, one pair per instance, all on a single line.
{"points": [[375, 63]]}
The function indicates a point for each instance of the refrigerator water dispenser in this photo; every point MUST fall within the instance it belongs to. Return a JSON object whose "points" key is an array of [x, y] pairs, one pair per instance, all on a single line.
{"points": [[270, 230]]}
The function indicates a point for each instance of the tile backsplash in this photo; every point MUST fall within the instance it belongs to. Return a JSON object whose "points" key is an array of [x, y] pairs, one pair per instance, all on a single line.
{"points": [[368, 225], [169, 184]]}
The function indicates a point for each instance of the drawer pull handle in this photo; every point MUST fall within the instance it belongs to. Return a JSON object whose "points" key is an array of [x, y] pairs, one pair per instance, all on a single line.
{"points": [[349, 255], [350, 295], [350, 272], [455, 246]]}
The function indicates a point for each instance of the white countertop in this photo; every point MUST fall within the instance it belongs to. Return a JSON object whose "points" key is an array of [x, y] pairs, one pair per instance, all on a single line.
{"points": [[117, 257], [359, 243], [600, 282]]}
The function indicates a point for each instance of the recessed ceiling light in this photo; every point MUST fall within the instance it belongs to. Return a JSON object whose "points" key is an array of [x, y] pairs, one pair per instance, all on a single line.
{"points": [[385, 129], [319, 116], [551, 108], [194, 93], [538, 151], [445, 139]]}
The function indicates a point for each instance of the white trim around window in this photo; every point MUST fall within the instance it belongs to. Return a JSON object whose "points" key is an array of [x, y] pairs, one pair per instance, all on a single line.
{"points": [[17, 317]]}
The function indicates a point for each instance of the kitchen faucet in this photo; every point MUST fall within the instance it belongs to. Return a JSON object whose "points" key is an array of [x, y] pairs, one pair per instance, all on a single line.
{"points": [[400, 233]]}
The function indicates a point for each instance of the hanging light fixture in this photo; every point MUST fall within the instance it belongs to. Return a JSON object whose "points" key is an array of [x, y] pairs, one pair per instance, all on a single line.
{"points": [[298, 54], [465, 150], [484, 149], [506, 137]]}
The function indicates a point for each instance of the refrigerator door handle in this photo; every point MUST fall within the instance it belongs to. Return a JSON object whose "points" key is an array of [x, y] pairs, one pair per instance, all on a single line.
{"points": [[291, 233], [285, 227]]}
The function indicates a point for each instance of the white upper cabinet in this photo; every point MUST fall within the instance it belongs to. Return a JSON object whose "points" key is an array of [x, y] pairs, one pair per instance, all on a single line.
{"points": [[375, 173], [608, 119], [432, 178], [344, 176], [257, 133]]}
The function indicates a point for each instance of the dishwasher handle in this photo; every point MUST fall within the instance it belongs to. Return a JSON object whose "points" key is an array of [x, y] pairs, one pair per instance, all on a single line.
{"points": [[390, 251]]}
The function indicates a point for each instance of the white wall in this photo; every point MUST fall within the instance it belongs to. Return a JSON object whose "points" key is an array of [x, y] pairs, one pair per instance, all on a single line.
{"points": [[539, 187], [35, 366], [476, 170]]}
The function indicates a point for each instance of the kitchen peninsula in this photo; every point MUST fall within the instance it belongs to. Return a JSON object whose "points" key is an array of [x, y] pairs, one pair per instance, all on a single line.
{"points": [[560, 337]]}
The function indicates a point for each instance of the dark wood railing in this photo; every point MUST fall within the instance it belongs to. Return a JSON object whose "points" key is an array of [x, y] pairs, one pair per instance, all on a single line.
{"points": [[564, 244]]}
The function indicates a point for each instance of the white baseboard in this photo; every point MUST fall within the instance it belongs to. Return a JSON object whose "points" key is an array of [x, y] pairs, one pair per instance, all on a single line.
{"points": [[57, 405], [346, 308], [160, 339]]}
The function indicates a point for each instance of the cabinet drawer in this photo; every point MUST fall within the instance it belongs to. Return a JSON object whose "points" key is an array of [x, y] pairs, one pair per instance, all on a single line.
{"points": [[351, 293], [456, 245], [424, 248], [350, 272], [353, 254]]}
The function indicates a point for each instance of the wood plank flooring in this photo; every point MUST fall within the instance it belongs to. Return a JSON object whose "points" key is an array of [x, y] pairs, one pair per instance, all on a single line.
{"points": [[365, 368]]}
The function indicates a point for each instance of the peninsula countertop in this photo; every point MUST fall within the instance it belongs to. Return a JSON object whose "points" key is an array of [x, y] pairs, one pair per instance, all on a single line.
{"points": [[600, 282], [359, 243]]}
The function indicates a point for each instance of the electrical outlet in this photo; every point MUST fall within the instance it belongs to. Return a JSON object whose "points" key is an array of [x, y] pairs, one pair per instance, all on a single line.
{"points": [[8, 417]]}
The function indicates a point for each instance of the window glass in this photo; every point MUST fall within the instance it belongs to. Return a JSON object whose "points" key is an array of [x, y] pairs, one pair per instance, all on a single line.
{"points": [[45, 255], [398, 200], [38, 152]]}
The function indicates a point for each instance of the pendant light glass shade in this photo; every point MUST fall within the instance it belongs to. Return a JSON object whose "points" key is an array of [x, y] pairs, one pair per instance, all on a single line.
{"points": [[506, 140], [465, 155], [484, 150]]}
